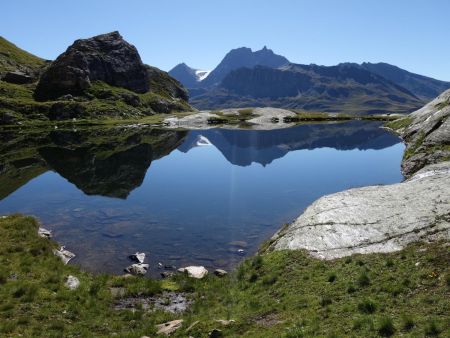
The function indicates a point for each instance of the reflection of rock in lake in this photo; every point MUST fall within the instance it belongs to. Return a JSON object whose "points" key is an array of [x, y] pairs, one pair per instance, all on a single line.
{"points": [[19, 160], [115, 175], [111, 165], [104, 161]]}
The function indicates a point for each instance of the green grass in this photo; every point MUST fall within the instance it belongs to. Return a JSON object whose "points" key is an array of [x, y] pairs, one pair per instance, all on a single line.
{"points": [[399, 123], [277, 294], [12, 56], [102, 104]]}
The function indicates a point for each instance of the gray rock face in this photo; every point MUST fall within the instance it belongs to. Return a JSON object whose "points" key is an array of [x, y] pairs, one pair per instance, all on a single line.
{"points": [[375, 218], [108, 58], [428, 136]]}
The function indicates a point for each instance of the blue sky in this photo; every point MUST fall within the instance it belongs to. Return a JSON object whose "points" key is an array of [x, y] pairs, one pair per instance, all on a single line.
{"points": [[413, 34]]}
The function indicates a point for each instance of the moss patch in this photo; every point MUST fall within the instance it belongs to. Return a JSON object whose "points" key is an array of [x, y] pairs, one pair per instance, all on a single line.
{"points": [[399, 123]]}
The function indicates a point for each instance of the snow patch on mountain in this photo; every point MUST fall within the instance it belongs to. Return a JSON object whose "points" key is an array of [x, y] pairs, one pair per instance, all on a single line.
{"points": [[201, 74]]}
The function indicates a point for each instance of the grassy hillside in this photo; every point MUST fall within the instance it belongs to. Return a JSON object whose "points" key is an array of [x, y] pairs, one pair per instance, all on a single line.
{"points": [[100, 102], [280, 294], [13, 58]]}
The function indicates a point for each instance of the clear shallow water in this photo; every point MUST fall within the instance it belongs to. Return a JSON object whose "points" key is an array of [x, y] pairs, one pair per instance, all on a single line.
{"points": [[184, 197]]}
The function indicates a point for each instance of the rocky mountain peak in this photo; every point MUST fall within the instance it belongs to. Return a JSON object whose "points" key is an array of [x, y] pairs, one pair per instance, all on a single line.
{"points": [[106, 57]]}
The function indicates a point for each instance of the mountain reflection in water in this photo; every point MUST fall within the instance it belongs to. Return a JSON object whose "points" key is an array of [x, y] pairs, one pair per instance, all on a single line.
{"points": [[183, 197]]}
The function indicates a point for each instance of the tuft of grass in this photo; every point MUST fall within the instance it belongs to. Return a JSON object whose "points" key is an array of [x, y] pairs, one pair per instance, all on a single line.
{"points": [[332, 277], [363, 279], [432, 329], [386, 327], [408, 323], [367, 306]]}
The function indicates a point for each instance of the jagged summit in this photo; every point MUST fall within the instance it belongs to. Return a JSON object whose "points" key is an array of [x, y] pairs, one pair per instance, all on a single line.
{"points": [[236, 58]]}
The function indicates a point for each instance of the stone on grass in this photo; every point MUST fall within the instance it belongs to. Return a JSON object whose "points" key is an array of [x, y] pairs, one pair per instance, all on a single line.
{"points": [[72, 282], [44, 233], [225, 322], [169, 327], [220, 272], [63, 254]]}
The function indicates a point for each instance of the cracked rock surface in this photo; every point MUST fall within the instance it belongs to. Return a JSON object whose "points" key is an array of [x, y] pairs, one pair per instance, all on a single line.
{"points": [[375, 218]]}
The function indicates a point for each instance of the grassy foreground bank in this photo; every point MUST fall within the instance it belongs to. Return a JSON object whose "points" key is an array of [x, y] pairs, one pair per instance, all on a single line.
{"points": [[278, 294]]}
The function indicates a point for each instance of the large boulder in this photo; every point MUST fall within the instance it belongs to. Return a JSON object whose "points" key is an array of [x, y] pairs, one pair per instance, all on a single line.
{"points": [[17, 77], [107, 57], [373, 219]]}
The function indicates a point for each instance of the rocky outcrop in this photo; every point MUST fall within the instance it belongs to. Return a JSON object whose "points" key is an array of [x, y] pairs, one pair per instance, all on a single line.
{"points": [[428, 136], [385, 218], [107, 58], [374, 219]]}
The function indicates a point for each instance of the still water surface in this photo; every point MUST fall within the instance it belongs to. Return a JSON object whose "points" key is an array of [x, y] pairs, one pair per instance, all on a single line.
{"points": [[184, 197]]}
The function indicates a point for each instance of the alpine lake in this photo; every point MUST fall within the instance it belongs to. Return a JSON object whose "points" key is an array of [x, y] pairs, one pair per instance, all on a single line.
{"points": [[200, 197]]}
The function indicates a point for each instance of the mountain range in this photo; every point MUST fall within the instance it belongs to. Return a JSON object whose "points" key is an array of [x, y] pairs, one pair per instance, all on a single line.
{"points": [[246, 78]]}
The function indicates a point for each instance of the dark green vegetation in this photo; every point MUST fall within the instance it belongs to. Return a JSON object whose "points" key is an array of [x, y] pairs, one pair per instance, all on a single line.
{"points": [[277, 294], [100, 102]]}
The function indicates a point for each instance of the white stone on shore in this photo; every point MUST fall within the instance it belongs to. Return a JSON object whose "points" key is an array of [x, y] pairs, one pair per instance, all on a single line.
{"points": [[137, 269], [138, 257], [44, 233], [198, 272], [64, 254]]}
